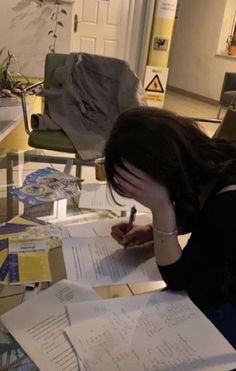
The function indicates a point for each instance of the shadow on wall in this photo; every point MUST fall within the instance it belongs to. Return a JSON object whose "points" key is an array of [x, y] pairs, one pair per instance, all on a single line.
{"points": [[24, 30]]}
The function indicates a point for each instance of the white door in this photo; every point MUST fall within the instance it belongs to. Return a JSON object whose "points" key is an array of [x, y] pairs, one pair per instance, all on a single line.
{"points": [[101, 27]]}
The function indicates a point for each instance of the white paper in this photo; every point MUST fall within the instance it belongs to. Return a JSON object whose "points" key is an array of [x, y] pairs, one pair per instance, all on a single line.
{"points": [[102, 261], [160, 331], [102, 228], [97, 196], [38, 325]]}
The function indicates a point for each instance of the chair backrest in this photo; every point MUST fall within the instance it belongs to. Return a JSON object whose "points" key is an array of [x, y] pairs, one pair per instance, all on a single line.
{"points": [[52, 61], [229, 84]]}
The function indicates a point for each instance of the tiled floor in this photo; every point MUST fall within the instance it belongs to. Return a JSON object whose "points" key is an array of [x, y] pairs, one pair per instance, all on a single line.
{"points": [[180, 104], [190, 107]]}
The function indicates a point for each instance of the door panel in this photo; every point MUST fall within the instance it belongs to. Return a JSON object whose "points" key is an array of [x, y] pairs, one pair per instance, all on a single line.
{"points": [[102, 27]]}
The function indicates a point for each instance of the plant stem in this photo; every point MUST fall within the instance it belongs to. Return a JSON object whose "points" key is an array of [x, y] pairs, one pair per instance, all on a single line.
{"points": [[55, 27]]}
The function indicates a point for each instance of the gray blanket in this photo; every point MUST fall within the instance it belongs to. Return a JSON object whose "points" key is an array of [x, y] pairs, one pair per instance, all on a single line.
{"points": [[85, 97]]}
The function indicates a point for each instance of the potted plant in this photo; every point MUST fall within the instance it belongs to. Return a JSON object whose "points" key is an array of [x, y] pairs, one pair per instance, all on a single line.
{"points": [[231, 45], [11, 83]]}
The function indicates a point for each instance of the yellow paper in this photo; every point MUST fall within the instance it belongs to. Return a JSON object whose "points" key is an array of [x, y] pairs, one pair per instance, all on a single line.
{"points": [[34, 267]]}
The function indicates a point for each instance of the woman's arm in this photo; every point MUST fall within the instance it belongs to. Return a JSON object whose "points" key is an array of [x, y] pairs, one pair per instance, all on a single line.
{"points": [[141, 187], [166, 246]]}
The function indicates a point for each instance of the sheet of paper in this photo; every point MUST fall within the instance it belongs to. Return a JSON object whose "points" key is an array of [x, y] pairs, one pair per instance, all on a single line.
{"points": [[97, 196], [11, 229], [28, 259], [101, 228], [160, 331], [38, 325], [102, 261]]}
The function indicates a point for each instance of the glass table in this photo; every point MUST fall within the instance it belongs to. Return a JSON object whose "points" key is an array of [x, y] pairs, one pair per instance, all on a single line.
{"points": [[12, 355]]}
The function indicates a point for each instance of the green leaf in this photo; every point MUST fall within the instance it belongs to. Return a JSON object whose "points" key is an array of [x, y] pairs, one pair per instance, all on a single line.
{"points": [[64, 11], [59, 23]]}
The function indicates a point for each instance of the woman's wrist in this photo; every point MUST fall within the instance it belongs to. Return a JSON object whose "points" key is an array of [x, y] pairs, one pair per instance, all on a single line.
{"points": [[165, 219]]}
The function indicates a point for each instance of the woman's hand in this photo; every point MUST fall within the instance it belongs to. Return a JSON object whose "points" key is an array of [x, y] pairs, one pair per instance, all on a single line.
{"points": [[141, 187], [137, 235]]}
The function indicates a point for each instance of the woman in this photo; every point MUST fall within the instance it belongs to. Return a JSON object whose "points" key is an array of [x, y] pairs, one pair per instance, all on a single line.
{"points": [[188, 181]]}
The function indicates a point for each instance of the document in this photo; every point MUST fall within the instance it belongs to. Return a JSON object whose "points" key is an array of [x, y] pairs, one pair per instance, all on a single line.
{"points": [[28, 259], [97, 196], [38, 325], [8, 230], [102, 261], [101, 228], [160, 331]]}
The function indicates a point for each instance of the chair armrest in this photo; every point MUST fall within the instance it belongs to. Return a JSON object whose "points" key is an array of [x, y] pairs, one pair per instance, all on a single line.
{"points": [[31, 88]]}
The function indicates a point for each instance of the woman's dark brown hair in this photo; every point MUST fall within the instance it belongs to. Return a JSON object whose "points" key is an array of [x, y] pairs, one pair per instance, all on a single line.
{"points": [[172, 150]]}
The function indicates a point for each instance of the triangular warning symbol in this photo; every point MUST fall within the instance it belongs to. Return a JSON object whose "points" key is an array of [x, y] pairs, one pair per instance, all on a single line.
{"points": [[155, 85]]}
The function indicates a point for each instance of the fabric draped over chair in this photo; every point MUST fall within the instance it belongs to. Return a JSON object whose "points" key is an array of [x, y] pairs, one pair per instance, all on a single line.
{"points": [[85, 97]]}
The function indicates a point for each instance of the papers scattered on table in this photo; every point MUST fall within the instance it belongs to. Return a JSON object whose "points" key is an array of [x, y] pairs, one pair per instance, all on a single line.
{"points": [[47, 185], [24, 251], [97, 259], [97, 196], [160, 331], [38, 325], [71, 328]]}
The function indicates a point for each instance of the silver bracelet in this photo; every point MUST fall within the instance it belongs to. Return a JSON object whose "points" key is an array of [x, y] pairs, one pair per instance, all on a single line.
{"points": [[165, 234]]}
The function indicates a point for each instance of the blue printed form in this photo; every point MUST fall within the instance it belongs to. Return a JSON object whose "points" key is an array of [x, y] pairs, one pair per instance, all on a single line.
{"points": [[4, 261]]}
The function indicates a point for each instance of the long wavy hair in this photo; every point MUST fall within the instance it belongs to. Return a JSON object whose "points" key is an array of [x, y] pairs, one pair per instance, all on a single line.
{"points": [[174, 151]]}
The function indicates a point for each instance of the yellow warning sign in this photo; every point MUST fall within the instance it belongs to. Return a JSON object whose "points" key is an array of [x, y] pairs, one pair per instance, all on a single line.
{"points": [[155, 85], [154, 98]]}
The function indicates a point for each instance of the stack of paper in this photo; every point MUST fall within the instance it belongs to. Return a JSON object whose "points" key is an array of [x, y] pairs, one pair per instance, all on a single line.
{"points": [[154, 332], [70, 328], [24, 251], [8, 230], [38, 325]]}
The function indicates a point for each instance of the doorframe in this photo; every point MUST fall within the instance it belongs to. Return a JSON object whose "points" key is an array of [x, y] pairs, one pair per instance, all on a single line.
{"points": [[140, 22]]}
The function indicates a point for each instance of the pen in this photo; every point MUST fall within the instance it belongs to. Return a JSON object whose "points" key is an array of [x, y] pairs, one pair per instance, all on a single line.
{"points": [[131, 221]]}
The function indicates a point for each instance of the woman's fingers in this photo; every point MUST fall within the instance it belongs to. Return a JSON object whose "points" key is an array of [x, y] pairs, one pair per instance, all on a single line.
{"points": [[118, 231], [140, 174]]}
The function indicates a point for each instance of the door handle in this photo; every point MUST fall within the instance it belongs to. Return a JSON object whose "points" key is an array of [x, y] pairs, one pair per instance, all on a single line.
{"points": [[76, 21]]}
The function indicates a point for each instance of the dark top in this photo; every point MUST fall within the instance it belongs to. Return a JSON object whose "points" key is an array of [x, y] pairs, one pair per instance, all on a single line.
{"points": [[207, 267]]}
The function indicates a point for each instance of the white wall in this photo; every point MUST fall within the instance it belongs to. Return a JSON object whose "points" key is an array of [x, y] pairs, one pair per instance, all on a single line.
{"points": [[24, 31], [194, 65]]}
